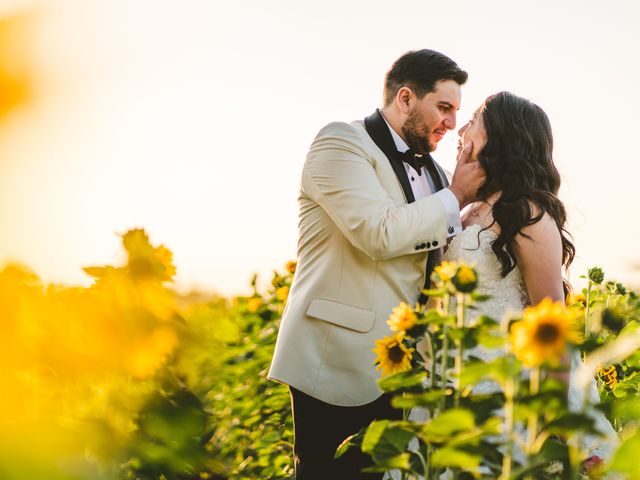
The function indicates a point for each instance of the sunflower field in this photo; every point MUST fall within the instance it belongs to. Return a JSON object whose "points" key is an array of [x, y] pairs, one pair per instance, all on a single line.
{"points": [[127, 379], [511, 414]]}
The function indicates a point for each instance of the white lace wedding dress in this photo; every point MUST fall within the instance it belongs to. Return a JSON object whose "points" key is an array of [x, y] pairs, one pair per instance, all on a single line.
{"points": [[509, 294]]}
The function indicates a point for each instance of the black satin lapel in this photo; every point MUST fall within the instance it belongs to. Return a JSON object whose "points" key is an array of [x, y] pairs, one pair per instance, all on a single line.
{"points": [[437, 174], [443, 176], [379, 132]]}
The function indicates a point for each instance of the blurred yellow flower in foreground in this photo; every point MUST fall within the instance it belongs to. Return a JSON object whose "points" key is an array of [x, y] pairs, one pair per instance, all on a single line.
{"points": [[253, 304], [445, 271], [151, 353], [291, 266], [465, 279], [542, 334], [393, 356], [282, 293], [402, 318]]}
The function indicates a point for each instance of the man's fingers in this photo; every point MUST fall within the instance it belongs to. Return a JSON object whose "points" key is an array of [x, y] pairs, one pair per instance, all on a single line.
{"points": [[465, 153]]}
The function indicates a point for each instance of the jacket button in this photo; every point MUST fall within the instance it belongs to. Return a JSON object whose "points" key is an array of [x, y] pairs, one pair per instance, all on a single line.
{"points": [[435, 243], [418, 247], [428, 245]]}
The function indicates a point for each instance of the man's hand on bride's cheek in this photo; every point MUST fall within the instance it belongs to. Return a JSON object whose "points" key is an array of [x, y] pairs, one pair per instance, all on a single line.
{"points": [[467, 177], [464, 154]]}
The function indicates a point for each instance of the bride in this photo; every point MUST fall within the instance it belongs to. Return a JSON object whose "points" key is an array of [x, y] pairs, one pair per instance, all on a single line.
{"points": [[515, 233]]}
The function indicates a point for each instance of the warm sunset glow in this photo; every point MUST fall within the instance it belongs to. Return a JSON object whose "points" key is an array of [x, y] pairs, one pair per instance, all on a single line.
{"points": [[192, 119]]}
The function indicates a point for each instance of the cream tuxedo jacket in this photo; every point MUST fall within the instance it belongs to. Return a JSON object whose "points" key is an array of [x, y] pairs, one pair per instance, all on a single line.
{"points": [[361, 250]]}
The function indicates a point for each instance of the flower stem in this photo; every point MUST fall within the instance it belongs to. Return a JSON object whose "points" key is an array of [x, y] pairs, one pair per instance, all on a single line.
{"points": [[423, 461], [587, 311], [509, 393], [445, 349], [460, 311], [532, 428]]}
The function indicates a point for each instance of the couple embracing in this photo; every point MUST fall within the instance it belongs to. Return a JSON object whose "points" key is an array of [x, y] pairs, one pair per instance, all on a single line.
{"points": [[377, 214]]}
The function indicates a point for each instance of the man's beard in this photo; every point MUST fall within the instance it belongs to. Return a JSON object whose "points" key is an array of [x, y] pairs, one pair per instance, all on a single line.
{"points": [[416, 133]]}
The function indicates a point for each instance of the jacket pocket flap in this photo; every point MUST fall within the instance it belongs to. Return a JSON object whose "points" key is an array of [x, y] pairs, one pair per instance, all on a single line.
{"points": [[343, 315]]}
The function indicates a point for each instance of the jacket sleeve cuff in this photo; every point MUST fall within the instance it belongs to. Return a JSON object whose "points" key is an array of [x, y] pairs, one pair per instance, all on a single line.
{"points": [[452, 210]]}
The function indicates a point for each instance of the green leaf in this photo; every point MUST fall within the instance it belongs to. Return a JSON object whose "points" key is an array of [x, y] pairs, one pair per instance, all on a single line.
{"points": [[631, 327], [436, 293], [571, 422], [630, 386], [403, 380], [443, 426], [424, 399], [384, 439], [373, 435], [499, 370], [628, 409], [401, 461], [625, 459], [456, 333], [480, 297], [351, 441], [634, 360], [452, 457], [491, 340], [433, 317], [486, 321]]}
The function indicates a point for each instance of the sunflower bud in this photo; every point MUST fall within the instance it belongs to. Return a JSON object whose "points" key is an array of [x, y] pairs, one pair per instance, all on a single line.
{"points": [[465, 279], [596, 275], [254, 304], [291, 266], [282, 293]]}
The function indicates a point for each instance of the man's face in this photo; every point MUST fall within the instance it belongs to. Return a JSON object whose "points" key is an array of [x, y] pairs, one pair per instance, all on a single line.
{"points": [[431, 116]]}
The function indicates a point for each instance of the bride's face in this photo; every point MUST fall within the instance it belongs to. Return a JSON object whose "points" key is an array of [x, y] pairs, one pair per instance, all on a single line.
{"points": [[473, 131]]}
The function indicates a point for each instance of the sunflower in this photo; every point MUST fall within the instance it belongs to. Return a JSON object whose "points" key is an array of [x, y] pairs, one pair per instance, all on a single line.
{"points": [[282, 293], [444, 272], [465, 279], [254, 304], [393, 355], [291, 266], [542, 334], [402, 318], [577, 299]]}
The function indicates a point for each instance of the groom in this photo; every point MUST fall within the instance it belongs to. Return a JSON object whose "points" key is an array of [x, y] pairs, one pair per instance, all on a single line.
{"points": [[374, 211]]}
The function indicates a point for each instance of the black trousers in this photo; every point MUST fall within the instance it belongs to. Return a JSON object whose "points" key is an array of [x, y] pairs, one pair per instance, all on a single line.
{"points": [[319, 428]]}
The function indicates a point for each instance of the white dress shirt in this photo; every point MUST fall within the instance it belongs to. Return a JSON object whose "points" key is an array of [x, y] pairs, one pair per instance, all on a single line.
{"points": [[422, 186]]}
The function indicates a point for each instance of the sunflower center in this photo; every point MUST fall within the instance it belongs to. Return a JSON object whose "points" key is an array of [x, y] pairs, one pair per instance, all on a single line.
{"points": [[396, 354], [547, 333]]}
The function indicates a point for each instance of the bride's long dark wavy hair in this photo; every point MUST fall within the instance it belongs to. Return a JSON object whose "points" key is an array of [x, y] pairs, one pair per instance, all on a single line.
{"points": [[518, 161]]}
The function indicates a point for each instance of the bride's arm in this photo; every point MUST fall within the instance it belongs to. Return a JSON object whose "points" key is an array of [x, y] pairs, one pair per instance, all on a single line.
{"points": [[540, 261]]}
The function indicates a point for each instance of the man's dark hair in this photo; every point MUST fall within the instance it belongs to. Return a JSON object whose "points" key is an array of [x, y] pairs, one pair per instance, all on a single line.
{"points": [[420, 70]]}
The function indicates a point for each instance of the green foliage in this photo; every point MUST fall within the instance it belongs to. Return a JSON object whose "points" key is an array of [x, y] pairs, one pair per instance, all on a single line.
{"points": [[251, 415], [525, 429]]}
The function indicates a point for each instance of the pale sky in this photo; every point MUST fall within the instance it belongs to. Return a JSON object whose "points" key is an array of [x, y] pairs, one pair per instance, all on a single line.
{"points": [[192, 119]]}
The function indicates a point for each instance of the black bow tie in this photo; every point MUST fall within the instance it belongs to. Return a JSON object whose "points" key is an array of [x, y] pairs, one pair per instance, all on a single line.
{"points": [[416, 160]]}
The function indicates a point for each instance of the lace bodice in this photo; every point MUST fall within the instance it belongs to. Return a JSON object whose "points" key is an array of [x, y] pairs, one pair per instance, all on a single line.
{"points": [[473, 246], [508, 295]]}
